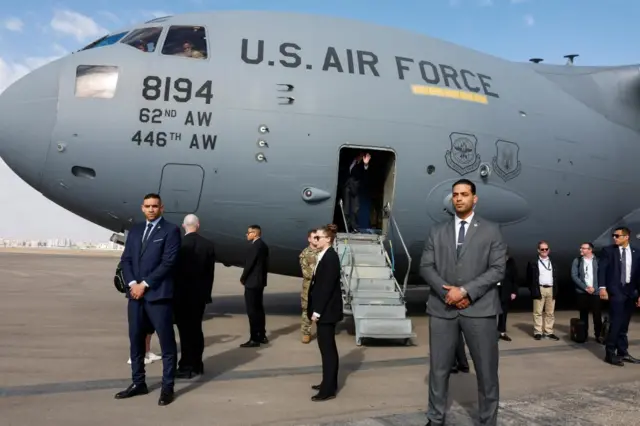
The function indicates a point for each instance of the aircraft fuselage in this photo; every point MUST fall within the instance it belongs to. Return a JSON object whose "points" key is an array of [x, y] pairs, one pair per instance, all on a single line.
{"points": [[237, 137]]}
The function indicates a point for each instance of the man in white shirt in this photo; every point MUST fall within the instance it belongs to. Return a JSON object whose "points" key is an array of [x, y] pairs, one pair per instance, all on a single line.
{"points": [[543, 284], [584, 272]]}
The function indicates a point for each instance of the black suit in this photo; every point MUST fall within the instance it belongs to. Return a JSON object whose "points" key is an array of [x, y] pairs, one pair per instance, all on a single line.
{"points": [[194, 282], [254, 280], [325, 299], [507, 287], [622, 297], [352, 190]]}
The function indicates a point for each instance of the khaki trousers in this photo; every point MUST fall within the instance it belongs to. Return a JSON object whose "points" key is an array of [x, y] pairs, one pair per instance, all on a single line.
{"points": [[543, 308]]}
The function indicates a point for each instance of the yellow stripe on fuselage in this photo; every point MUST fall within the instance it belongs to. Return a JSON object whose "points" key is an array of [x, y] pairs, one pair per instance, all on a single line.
{"points": [[442, 92]]}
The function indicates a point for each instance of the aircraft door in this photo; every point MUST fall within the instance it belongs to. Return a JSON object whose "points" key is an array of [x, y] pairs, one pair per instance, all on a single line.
{"points": [[181, 187]]}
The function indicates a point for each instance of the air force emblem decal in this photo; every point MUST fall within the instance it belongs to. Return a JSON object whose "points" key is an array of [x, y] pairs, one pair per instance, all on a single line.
{"points": [[462, 157], [506, 163]]}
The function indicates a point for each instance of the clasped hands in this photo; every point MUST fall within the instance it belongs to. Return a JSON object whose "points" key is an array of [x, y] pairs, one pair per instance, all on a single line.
{"points": [[137, 290], [456, 297]]}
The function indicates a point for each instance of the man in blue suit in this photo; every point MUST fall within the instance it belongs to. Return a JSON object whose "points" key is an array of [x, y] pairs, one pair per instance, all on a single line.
{"points": [[148, 260], [619, 281]]}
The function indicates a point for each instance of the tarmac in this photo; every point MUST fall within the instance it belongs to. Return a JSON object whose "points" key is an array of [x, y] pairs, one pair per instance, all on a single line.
{"points": [[64, 349]]}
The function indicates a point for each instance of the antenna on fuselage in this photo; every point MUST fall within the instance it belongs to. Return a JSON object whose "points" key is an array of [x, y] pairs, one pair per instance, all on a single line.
{"points": [[570, 58], [536, 60]]}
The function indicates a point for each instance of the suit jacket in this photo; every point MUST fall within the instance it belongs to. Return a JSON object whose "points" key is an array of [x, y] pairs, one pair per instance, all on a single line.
{"points": [[256, 266], [195, 269], [478, 269], [577, 275], [325, 290], [533, 278], [509, 284], [154, 262], [609, 271]]}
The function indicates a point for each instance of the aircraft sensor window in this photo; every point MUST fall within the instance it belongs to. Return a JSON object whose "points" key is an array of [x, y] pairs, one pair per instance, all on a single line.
{"points": [[96, 81], [186, 41], [144, 39], [105, 41]]}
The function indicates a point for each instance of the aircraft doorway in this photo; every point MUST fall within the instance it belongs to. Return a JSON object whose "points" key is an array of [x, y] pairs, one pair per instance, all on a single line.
{"points": [[375, 190], [180, 187]]}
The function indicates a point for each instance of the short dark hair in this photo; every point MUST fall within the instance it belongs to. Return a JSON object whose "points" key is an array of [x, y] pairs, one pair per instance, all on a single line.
{"points": [[588, 244], [624, 229], [465, 182], [256, 228], [311, 231], [152, 195]]}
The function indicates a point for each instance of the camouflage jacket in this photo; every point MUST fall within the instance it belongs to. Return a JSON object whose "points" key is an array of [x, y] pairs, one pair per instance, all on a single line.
{"points": [[308, 258]]}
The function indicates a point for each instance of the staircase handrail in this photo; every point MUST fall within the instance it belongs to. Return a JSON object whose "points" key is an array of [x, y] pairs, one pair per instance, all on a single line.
{"points": [[392, 219], [347, 245]]}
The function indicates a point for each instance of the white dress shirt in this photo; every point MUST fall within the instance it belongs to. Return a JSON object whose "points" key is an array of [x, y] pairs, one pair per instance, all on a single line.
{"points": [[628, 263], [588, 271], [545, 278], [466, 226], [153, 226], [315, 314]]}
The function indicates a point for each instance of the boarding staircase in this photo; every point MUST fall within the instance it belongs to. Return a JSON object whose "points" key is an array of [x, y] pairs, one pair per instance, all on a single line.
{"points": [[371, 294]]}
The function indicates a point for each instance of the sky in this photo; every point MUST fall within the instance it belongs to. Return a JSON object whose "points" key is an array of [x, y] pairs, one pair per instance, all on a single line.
{"points": [[34, 32]]}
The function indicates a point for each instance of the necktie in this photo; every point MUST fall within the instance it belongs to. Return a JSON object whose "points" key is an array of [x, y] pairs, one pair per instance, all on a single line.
{"points": [[623, 259], [147, 232], [460, 237]]}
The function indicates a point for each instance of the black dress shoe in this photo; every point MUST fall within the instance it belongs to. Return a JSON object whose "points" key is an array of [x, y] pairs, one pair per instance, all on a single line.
{"points": [[613, 360], [133, 390], [315, 387], [187, 374], [599, 339], [631, 360], [166, 397], [263, 340], [250, 344], [537, 336], [454, 370], [552, 337], [464, 368], [503, 336], [319, 397]]}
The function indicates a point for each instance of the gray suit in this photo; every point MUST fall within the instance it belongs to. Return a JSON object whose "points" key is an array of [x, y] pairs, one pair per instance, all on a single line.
{"points": [[478, 268]]}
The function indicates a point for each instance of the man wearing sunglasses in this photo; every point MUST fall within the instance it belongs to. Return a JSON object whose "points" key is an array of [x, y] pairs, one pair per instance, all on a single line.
{"points": [[619, 283], [543, 283]]}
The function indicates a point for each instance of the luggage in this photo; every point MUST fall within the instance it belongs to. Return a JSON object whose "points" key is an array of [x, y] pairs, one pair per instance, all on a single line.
{"points": [[578, 330], [118, 280]]}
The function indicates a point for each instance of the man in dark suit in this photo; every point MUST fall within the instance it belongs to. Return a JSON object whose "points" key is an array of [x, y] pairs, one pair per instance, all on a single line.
{"points": [[194, 282], [462, 262], [254, 280], [508, 290], [619, 280], [352, 189], [148, 261]]}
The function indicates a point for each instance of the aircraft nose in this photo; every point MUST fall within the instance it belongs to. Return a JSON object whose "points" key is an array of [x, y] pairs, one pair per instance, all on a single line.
{"points": [[28, 110]]}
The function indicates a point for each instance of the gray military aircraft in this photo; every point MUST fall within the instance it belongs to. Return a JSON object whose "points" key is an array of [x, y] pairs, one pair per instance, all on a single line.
{"points": [[245, 117]]}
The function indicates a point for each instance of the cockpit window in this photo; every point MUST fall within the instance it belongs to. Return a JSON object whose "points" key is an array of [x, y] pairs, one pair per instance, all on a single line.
{"points": [[144, 39], [96, 81], [105, 41], [186, 41]]}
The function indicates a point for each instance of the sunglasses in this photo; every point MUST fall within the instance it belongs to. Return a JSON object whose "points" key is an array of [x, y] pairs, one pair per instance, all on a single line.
{"points": [[544, 249]]}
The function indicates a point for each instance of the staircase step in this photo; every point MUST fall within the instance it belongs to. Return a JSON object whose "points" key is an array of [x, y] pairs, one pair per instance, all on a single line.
{"points": [[373, 249], [379, 311], [366, 260], [357, 238], [368, 294], [371, 301], [373, 284], [384, 328], [378, 272]]}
